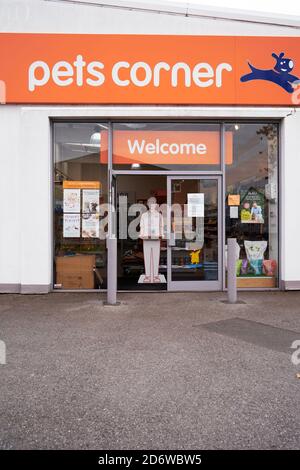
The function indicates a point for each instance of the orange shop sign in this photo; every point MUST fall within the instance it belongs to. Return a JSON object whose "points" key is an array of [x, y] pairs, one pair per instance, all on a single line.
{"points": [[149, 69], [167, 147]]}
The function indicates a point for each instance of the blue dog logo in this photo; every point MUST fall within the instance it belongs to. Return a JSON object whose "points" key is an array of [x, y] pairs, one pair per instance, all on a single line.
{"points": [[280, 74]]}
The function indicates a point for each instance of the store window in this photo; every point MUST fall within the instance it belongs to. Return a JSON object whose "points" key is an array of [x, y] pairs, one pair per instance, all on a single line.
{"points": [[80, 211], [167, 146], [252, 202]]}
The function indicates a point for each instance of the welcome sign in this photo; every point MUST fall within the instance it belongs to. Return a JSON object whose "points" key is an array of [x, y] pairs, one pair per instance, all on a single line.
{"points": [[150, 69], [167, 147]]}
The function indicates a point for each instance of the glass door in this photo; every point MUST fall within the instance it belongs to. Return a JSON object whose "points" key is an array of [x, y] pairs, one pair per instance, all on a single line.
{"points": [[194, 233]]}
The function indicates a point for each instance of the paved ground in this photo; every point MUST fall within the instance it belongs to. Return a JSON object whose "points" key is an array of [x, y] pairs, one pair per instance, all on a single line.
{"points": [[158, 371]]}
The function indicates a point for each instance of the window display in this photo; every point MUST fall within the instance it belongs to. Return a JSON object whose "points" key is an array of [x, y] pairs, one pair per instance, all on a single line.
{"points": [[80, 187], [252, 202]]}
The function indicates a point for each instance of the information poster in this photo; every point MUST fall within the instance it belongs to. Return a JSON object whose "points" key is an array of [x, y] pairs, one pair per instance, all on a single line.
{"points": [[195, 204], [90, 226], [90, 201], [252, 207], [72, 200], [71, 225]]}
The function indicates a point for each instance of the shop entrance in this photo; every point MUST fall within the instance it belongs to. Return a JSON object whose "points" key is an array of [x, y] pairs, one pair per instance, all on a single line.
{"points": [[169, 235], [194, 244]]}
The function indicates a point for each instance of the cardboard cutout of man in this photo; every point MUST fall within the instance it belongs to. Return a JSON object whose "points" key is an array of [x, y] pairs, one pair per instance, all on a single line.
{"points": [[151, 232]]}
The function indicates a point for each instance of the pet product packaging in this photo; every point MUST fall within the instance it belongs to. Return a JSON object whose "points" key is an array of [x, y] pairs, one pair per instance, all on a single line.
{"points": [[269, 267], [255, 253], [244, 266], [238, 267]]}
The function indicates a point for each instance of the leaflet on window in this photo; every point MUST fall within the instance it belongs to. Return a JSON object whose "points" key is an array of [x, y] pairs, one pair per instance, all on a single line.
{"points": [[72, 200], [90, 200], [195, 204], [90, 226], [71, 225]]}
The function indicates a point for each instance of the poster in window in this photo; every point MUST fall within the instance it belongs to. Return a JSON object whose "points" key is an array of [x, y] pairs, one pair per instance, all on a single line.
{"points": [[195, 204], [252, 207], [71, 226], [90, 201], [90, 226], [72, 200]]}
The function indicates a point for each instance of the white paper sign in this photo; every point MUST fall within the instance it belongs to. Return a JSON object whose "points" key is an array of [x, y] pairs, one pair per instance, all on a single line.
{"points": [[90, 200], [195, 204], [234, 212], [72, 200], [71, 227]]}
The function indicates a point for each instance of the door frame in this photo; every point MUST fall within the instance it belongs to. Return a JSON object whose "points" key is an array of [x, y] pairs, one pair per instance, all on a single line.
{"points": [[195, 285]]}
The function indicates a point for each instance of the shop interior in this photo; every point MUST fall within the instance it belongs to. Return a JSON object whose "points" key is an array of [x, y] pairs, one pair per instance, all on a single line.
{"points": [[137, 189], [194, 254]]}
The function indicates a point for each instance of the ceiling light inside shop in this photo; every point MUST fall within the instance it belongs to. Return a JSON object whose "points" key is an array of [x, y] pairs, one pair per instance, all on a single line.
{"points": [[135, 166], [95, 139], [236, 126]]}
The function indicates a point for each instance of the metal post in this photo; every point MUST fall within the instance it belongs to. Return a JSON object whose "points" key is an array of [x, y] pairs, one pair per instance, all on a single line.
{"points": [[112, 271], [111, 240], [231, 270]]}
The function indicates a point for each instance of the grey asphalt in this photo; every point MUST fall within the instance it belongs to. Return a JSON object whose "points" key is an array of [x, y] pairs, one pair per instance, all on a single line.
{"points": [[160, 371]]}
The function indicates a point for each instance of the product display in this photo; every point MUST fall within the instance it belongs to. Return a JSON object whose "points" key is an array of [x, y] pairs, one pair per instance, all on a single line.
{"points": [[256, 265], [238, 267], [269, 267], [255, 249], [195, 256], [255, 254], [244, 267]]}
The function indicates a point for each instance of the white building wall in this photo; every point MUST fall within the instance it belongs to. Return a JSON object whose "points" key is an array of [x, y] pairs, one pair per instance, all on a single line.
{"points": [[35, 202], [10, 195], [25, 176], [42, 16], [290, 197]]}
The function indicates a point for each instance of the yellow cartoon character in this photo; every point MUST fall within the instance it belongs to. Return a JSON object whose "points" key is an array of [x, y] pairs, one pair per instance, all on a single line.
{"points": [[195, 256]]}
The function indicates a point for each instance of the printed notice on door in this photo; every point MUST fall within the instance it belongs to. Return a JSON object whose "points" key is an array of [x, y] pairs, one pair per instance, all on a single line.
{"points": [[195, 204]]}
